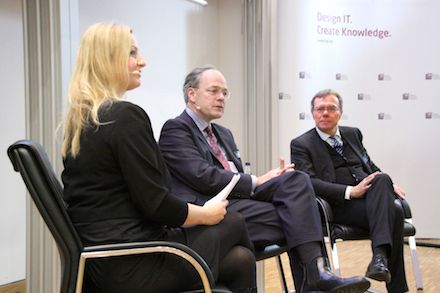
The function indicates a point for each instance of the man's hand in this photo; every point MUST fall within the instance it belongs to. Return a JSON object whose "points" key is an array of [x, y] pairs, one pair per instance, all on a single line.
{"points": [[359, 190], [399, 191], [282, 163], [275, 172]]}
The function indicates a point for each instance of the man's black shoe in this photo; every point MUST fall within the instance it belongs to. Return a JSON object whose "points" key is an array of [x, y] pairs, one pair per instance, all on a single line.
{"points": [[319, 277], [378, 269]]}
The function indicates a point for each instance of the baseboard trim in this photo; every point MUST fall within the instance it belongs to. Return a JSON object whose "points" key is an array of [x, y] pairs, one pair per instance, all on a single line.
{"points": [[16, 287]]}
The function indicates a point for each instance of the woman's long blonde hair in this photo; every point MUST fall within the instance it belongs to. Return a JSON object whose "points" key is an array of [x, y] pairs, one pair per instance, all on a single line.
{"points": [[100, 75]]}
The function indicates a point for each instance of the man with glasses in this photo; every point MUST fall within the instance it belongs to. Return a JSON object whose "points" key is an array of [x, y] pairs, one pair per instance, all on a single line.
{"points": [[278, 207], [342, 172]]}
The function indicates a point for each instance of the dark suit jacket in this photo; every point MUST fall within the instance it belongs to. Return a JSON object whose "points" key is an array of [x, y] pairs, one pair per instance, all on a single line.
{"points": [[118, 188], [310, 154], [197, 173]]}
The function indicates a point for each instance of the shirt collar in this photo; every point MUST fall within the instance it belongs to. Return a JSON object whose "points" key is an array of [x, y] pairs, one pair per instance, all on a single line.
{"points": [[201, 124], [324, 136]]}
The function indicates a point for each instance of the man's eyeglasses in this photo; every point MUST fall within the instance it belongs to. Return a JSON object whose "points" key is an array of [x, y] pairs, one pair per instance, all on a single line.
{"points": [[217, 91], [329, 108]]}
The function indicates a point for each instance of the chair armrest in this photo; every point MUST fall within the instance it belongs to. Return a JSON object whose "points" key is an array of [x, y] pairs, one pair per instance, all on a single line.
{"points": [[325, 209], [405, 206], [120, 249], [326, 217]]}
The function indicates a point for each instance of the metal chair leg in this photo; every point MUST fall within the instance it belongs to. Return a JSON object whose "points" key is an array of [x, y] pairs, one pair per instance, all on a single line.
{"points": [[282, 275], [260, 276], [415, 260], [335, 260]]}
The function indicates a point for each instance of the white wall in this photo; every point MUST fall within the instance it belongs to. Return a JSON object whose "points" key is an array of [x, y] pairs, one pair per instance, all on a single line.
{"points": [[12, 124], [231, 61], [404, 143], [174, 36]]}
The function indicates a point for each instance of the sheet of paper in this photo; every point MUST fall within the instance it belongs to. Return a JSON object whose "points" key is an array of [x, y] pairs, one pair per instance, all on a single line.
{"points": [[223, 194]]}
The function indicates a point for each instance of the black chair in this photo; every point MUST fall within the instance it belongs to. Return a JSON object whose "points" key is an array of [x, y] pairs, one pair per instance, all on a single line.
{"points": [[336, 232], [267, 252], [30, 159]]}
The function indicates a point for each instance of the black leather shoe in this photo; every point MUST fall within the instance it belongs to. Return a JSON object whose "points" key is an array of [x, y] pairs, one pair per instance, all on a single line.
{"points": [[319, 277], [378, 269]]}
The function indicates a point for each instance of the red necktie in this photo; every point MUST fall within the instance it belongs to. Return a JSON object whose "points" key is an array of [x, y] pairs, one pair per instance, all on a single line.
{"points": [[218, 153]]}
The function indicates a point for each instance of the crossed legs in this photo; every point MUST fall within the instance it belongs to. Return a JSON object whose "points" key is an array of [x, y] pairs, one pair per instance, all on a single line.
{"points": [[379, 214]]}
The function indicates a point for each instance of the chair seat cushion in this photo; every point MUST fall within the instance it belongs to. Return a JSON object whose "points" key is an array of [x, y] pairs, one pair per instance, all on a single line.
{"points": [[269, 251], [355, 233]]}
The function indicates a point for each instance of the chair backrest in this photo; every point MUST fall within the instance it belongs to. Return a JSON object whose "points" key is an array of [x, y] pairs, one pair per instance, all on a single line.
{"points": [[30, 159]]}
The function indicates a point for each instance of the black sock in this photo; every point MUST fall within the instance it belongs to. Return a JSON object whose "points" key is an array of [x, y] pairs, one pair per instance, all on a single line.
{"points": [[382, 249], [309, 251]]}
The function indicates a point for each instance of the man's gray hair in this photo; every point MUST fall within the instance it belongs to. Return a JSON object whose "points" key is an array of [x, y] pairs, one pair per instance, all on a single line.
{"points": [[324, 93], [193, 79]]}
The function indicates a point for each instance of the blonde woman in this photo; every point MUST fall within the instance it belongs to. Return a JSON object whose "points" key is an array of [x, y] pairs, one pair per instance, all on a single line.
{"points": [[117, 187]]}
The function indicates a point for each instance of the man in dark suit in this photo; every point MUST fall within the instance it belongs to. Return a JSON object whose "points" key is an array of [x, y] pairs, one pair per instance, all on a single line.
{"points": [[279, 206], [342, 172]]}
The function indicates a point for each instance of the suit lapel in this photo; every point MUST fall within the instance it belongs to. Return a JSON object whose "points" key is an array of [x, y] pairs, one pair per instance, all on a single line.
{"points": [[203, 144], [200, 139], [223, 139], [351, 141], [325, 167]]}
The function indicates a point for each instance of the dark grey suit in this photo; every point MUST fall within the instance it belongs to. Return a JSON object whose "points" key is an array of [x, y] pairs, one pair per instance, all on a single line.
{"points": [[330, 174], [281, 210]]}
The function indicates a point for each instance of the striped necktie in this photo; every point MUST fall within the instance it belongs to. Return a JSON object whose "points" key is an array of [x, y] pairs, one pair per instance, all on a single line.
{"points": [[337, 145]]}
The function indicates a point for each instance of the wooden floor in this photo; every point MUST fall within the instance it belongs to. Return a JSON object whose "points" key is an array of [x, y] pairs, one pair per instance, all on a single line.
{"points": [[16, 287], [354, 257]]}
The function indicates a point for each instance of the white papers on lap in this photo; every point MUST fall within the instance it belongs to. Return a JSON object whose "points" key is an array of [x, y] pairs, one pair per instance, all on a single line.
{"points": [[223, 194]]}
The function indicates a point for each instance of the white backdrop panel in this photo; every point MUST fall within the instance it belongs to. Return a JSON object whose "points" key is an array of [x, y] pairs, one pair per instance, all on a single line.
{"points": [[382, 56]]}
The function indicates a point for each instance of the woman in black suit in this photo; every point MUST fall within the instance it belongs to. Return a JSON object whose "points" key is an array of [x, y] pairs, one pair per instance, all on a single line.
{"points": [[117, 186]]}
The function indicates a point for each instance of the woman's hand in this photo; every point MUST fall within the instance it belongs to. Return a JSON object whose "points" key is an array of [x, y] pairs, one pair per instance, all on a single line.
{"points": [[215, 212], [209, 214]]}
